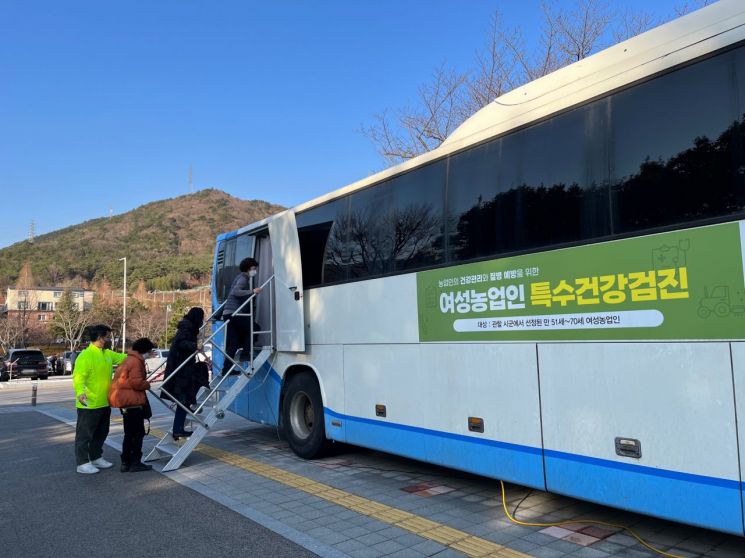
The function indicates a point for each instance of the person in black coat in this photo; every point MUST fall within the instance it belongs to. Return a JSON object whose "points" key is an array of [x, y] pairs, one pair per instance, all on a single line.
{"points": [[183, 386]]}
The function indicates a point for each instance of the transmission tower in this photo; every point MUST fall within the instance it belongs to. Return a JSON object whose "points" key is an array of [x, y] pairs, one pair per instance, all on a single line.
{"points": [[191, 184], [31, 231]]}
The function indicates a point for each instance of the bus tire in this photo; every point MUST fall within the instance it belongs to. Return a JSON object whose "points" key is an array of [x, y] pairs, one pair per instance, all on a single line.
{"points": [[302, 416]]}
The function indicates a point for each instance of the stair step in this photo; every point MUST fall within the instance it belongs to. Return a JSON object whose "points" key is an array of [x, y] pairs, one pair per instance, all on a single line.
{"points": [[168, 447], [210, 413]]}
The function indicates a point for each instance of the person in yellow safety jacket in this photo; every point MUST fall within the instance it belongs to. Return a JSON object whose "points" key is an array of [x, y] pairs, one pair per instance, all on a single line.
{"points": [[91, 379]]}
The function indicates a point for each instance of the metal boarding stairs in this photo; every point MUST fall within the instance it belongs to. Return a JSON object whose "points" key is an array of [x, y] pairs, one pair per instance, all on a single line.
{"points": [[212, 402]]}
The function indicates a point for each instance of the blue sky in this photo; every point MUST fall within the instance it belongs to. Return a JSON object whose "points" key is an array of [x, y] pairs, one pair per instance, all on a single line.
{"points": [[106, 104]]}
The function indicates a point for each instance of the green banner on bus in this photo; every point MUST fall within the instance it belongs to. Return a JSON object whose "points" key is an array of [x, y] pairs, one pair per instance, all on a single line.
{"points": [[679, 285]]}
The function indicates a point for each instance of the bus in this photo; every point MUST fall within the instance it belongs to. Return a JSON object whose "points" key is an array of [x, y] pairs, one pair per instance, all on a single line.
{"points": [[554, 297]]}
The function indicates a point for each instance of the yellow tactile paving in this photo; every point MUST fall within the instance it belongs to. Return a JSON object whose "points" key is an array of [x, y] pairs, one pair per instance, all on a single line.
{"points": [[418, 524], [461, 541], [476, 547], [444, 534]]}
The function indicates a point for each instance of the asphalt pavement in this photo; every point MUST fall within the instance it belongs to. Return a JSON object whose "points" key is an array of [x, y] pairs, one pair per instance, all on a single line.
{"points": [[243, 492], [46, 509]]}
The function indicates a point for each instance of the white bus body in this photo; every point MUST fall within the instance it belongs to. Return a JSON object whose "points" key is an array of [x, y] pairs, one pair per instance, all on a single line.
{"points": [[638, 407]]}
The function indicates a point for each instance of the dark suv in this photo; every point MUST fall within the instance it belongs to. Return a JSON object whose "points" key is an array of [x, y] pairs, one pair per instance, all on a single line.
{"points": [[19, 363]]}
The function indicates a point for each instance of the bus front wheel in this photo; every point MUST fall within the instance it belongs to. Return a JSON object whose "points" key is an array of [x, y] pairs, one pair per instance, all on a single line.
{"points": [[302, 416]]}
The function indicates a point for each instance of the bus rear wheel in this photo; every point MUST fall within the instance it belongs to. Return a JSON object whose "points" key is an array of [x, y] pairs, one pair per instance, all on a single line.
{"points": [[302, 416]]}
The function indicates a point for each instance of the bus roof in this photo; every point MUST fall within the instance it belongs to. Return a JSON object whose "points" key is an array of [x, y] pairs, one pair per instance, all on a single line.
{"points": [[696, 34], [689, 37], [649, 53]]}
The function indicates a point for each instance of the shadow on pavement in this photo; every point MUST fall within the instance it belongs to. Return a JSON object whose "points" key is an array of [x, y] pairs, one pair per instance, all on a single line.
{"points": [[46, 509]]}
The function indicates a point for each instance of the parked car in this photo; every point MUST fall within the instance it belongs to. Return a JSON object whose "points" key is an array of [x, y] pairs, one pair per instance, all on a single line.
{"points": [[19, 363], [68, 360], [55, 369], [156, 361]]}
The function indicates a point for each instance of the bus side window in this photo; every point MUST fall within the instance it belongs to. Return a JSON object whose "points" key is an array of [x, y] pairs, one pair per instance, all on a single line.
{"points": [[229, 255], [225, 267], [322, 232]]}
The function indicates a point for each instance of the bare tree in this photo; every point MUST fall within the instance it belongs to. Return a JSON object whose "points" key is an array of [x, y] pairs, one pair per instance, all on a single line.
{"points": [[69, 321], [506, 61], [369, 243], [495, 71], [632, 23], [108, 313], [10, 331], [439, 112], [55, 273], [25, 303], [691, 6], [579, 29], [147, 322], [26, 277]]}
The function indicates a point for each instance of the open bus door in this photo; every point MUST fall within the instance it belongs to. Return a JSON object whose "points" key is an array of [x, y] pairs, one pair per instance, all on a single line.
{"points": [[288, 283]]}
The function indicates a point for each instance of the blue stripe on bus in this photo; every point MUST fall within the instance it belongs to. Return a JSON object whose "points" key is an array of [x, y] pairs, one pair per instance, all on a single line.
{"points": [[686, 497], [439, 433], [642, 469], [512, 462], [697, 499], [226, 236], [259, 400]]}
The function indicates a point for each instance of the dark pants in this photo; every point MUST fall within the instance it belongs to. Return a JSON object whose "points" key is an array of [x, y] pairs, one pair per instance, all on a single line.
{"points": [[134, 432], [239, 336], [179, 419], [90, 433]]}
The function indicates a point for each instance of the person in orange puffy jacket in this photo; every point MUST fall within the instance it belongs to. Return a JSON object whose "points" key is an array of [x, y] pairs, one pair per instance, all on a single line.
{"points": [[128, 393]]}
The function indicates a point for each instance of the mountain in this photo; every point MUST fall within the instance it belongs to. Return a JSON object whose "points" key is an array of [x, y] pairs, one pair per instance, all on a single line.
{"points": [[169, 244]]}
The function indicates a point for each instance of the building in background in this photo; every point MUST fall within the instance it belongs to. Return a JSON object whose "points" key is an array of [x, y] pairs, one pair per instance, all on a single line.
{"points": [[40, 302]]}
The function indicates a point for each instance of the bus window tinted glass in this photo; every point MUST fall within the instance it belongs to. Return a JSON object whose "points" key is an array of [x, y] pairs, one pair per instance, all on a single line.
{"points": [[244, 248], [235, 250], [370, 231], [336, 255], [523, 171], [569, 202], [417, 217], [738, 133], [541, 186], [227, 270], [471, 195], [314, 228], [673, 155]]}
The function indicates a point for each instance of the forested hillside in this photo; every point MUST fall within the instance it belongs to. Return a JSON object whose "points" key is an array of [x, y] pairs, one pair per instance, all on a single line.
{"points": [[169, 244]]}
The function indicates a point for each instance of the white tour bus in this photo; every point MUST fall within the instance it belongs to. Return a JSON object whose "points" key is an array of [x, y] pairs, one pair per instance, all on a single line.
{"points": [[553, 297]]}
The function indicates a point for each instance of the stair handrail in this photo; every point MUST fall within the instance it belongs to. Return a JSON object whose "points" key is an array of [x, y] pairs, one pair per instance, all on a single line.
{"points": [[223, 378], [187, 359], [213, 390], [206, 322]]}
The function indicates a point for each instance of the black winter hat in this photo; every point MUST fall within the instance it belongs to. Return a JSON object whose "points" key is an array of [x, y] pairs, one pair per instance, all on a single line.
{"points": [[195, 315]]}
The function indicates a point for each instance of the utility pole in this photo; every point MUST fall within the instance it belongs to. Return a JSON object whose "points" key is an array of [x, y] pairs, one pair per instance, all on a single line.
{"points": [[124, 305], [168, 309]]}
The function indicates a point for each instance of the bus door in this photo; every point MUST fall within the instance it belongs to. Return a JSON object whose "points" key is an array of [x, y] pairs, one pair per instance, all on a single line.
{"points": [[288, 283], [263, 308]]}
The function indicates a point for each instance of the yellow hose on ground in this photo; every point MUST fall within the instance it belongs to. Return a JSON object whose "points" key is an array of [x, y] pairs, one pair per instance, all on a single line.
{"points": [[575, 521]]}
